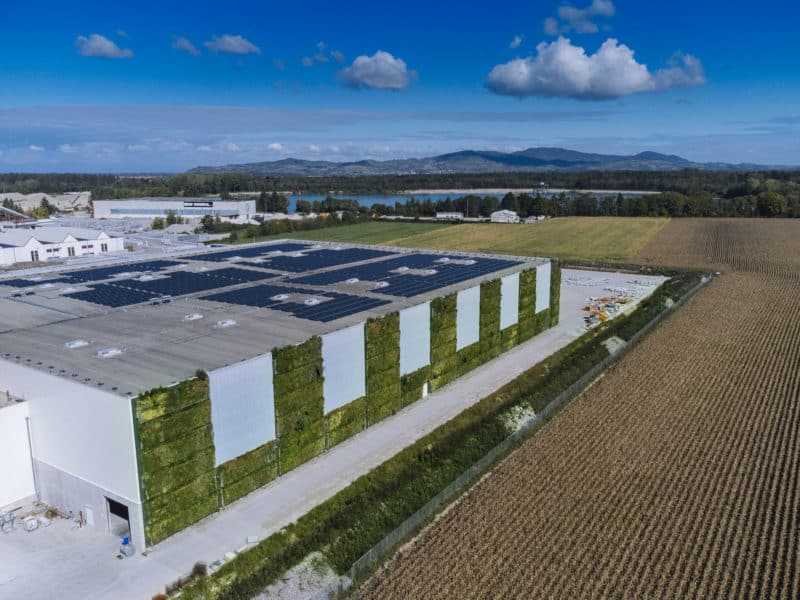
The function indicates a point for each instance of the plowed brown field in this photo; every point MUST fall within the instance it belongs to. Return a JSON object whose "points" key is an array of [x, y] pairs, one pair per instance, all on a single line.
{"points": [[676, 475]]}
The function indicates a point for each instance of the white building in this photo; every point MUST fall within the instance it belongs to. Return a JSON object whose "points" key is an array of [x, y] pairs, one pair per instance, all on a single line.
{"points": [[46, 243], [191, 208], [449, 216], [504, 216]]}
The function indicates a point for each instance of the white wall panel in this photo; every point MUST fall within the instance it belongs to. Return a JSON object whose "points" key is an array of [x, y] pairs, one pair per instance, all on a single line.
{"points": [[77, 428], [343, 366], [468, 315], [543, 287], [16, 470], [242, 407], [415, 338], [509, 300]]}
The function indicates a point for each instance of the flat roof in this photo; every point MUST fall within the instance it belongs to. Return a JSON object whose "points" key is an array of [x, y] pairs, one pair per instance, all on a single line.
{"points": [[206, 310]]}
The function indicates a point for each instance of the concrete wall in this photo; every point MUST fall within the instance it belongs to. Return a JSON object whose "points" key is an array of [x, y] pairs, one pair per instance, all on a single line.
{"points": [[509, 300], [468, 312], [543, 287], [415, 338], [81, 436], [242, 407], [16, 470], [343, 367]]}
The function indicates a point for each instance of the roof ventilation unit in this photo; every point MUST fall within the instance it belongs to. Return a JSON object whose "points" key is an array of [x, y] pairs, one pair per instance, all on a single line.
{"points": [[46, 285], [382, 284], [193, 317], [402, 268], [146, 278], [352, 280], [67, 290], [298, 255], [73, 344], [311, 301], [444, 259], [430, 272], [226, 323], [109, 352], [469, 261], [278, 297]]}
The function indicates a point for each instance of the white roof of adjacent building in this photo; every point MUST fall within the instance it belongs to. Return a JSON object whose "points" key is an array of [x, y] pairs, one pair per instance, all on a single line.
{"points": [[49, 235], [44, 321]]}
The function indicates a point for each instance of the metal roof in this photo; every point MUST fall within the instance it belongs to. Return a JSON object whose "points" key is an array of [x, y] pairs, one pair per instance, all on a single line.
{"points": [[163, 343]]}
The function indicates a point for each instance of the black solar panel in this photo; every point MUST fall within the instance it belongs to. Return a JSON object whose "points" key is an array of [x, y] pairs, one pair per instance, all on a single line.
{"points": [[321, 259], [101, 273], [249, 252], [405, 285], [332, 305], [24, 283], [106, 294]]}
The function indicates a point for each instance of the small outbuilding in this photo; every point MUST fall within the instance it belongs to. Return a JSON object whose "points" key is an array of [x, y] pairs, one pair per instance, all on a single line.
{"points": [[504, 216]]}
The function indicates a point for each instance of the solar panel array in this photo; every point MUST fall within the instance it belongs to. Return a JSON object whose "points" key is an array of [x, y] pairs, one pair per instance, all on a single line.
{"points": [[320, 259], [96, 274], [444, 272], [249, 252], [332, 305], [134, 291]]}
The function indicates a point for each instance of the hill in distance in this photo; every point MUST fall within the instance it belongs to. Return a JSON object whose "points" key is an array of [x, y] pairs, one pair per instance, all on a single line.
{"points": [[477, 161]]}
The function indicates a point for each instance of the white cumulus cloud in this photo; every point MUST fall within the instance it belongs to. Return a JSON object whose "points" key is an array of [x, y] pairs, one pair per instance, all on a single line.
{"points": [[516, 42], [67, 149], [313, 148], [338, 56], [232, 44], [35, 148], [99, 46], [380, 71], [563, 69], [275, 147], [581, 20], [184, 44], [204, 148], [138, 148]]}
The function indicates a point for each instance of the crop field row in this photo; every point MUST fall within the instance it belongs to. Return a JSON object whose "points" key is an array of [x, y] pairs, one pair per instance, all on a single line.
{"points": [[675, 475]]}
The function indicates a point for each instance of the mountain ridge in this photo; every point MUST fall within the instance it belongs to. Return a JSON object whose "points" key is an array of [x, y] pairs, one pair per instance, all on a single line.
{"points": [[480, 161]]}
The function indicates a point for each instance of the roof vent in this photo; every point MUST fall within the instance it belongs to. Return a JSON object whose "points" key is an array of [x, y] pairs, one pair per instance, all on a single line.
{"points": [[352, 280], [226, 323], [298, 255], [79, 343], [444, 259], [109, 352], [430, 271], [233, 258], [402, 268], [382, 284], [46, 285], [469, 261], [337, 248], [257, 260], [67, 290], [311, 301], [202, 268], [279, 297], [123, 275], [193, 317], [146, 278]]}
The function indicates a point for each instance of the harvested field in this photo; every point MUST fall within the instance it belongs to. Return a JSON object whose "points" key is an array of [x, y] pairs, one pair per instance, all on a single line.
{"points": [[675, 475]]}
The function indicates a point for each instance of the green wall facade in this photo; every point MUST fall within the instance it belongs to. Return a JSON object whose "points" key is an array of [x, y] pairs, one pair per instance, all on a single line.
{"points": [[174, 436]]}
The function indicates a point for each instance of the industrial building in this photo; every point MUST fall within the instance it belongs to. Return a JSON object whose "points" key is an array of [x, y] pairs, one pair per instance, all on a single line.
{"points": [[39, 244], [157, 393], [186, 208]]}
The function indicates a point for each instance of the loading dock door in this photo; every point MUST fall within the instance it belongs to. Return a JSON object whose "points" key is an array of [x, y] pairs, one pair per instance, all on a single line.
{"points": [[118, 522]]}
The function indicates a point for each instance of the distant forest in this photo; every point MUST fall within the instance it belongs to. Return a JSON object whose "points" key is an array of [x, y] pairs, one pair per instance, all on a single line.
{"points": [[686, 193]]}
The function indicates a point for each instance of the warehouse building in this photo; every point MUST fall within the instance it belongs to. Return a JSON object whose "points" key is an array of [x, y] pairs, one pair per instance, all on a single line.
{"points": [[23, 245], [157, 393], [187, 208]]}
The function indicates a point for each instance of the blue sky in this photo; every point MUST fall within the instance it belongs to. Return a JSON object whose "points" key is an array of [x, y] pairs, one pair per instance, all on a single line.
{"points": [[166, 86]]}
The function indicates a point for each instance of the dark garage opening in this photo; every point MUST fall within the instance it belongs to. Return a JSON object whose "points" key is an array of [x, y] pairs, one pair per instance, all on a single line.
{"points": [[118, 520]]}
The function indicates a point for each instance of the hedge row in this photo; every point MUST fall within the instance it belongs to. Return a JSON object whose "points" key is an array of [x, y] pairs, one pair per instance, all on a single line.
{"points": [[248, 472], [175, 446], [352, 521], [383, 366], [444, 363]]}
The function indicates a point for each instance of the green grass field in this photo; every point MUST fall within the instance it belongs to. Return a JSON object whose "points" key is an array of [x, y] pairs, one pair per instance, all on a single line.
{"points": [[587, 238]]}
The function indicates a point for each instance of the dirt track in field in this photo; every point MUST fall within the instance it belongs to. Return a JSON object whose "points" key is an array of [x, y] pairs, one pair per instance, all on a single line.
{"points": [[675, 476]]}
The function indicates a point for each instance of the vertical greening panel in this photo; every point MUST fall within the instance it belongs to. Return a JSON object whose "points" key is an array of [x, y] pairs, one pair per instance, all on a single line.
{"points": [[444, 363], [299, 419], [175, 448], [490, 320], [345, 422], [527, 305], [411, 385], [555, 293], [248, 472], [383, 367]]}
